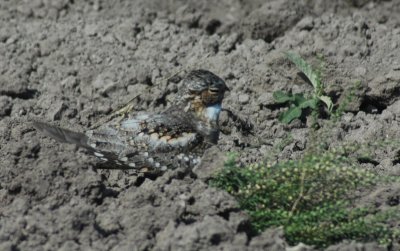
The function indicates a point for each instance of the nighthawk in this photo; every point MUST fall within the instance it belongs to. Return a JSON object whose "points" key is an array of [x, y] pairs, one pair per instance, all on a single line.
{"points": [[156, 142]]}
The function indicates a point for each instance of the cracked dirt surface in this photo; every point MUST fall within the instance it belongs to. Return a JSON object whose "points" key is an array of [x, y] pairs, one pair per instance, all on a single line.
{"points": [[73, 62]]}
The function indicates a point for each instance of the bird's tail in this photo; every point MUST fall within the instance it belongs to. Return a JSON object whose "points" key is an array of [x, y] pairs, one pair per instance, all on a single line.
{"points": [[62, 135]]}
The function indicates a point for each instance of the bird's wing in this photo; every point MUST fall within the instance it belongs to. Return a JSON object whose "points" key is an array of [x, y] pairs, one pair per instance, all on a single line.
{"points": [[147, 143], [104, 139], [107, 145], [166, 132], [62, 135]]}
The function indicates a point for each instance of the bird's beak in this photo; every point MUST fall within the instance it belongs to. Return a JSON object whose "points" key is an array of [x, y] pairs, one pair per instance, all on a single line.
{"points": [[227, 89]]}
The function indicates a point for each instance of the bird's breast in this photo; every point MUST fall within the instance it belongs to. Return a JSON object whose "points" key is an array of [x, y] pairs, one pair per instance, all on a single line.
{"points": [[212, 112]]}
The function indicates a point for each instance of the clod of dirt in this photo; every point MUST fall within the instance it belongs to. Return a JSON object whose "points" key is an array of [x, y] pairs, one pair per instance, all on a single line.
{"points": [[213, 160], [5, 106], [272, 19]]}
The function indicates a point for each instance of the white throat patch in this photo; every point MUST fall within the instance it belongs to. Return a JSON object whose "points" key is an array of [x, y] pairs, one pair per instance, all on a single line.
{"points": [[212, 112]]}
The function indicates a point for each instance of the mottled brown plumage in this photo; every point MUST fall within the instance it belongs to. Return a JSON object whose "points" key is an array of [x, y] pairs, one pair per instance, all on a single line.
{"points": [[150, 142]]}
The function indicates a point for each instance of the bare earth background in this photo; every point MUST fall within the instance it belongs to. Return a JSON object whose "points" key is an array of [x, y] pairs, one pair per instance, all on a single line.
{"points": [[71, 62]]}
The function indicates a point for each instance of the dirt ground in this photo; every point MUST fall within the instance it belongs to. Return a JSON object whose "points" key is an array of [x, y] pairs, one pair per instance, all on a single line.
{"points": [[72, 62]]}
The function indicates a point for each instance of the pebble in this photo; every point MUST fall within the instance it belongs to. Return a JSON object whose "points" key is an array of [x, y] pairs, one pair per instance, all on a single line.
{"points": [[244, 99], [360, 71], [90, 30]]}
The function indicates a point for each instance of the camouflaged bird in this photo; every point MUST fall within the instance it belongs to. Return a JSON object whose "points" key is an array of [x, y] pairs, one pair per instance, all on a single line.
{"points": [[153, 143]]}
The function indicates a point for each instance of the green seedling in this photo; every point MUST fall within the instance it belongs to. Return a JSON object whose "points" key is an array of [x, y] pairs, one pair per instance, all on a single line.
{"points": [[298, 103]]}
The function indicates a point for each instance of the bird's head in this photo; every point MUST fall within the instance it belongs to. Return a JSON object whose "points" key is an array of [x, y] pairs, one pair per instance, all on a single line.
{"points": [[204, 92]]}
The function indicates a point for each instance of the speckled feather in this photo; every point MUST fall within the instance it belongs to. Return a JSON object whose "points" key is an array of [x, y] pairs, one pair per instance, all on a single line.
{"points": [[156, 142]]}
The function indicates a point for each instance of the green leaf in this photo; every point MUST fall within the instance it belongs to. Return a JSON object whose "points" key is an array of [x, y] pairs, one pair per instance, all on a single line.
{"points": [[289, 115], [299, 99], [302, 102], [282, 97], [309, 103], [303, 66], [328, 101]]}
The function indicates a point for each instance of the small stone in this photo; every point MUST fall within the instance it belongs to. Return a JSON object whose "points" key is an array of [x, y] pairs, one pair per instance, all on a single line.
{"points": [[266, 99], [5, 106], [108, 39], [360, 71], [57, 110], [244, 99], [270, 239], [69, 245], [306, 23], [105, 83], [395, 108], [108, 223], [12, 39], [90, 29], [229, 42]]}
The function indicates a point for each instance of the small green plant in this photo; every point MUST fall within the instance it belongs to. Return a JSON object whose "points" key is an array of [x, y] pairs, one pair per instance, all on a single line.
{"points": [[310, 197], [298, 103], [313, 197]]}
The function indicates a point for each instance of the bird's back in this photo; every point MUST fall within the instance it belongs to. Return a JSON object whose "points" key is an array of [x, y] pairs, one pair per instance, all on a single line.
{"points": [[145, 142]]}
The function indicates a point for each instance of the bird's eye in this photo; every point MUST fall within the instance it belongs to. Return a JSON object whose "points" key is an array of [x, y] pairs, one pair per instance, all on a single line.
{"points": [[214, 90]]}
